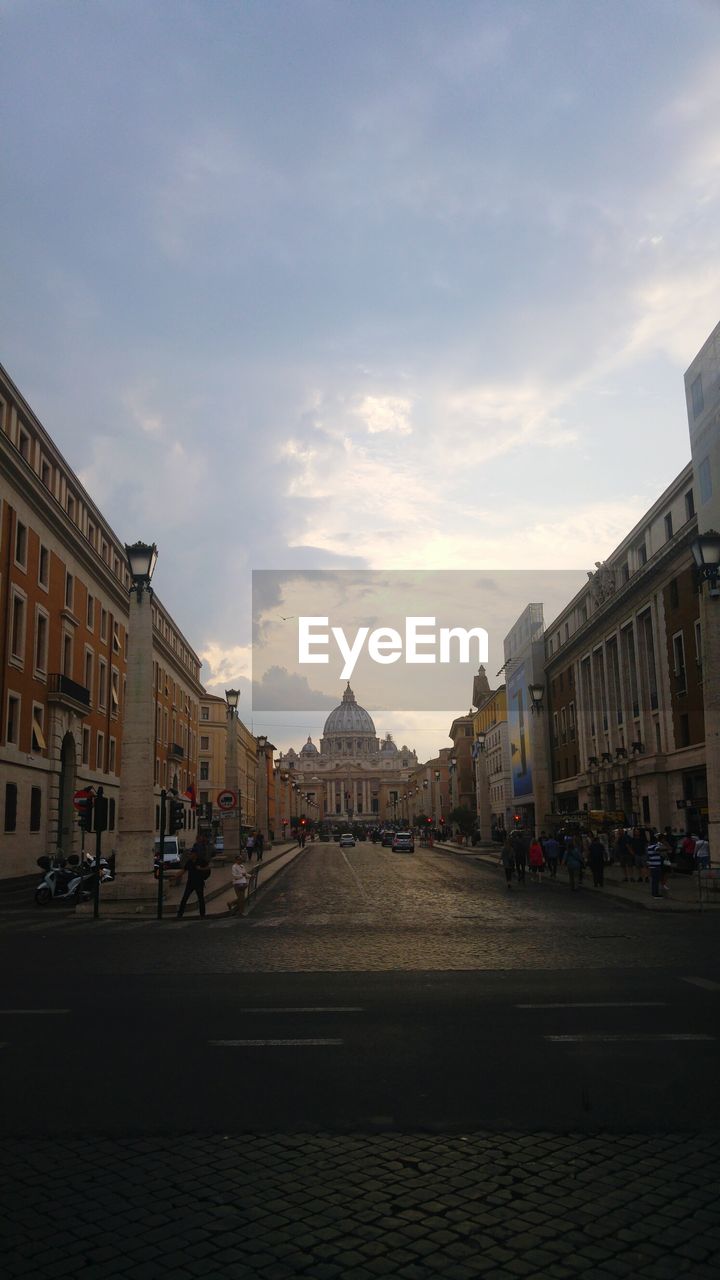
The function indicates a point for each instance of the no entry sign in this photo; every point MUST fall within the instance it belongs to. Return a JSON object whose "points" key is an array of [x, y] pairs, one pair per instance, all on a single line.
{"points": [[227, 800]]}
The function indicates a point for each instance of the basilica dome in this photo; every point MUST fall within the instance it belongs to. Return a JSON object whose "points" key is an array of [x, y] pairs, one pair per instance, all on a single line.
{"points": [[348, 718], [309, 749]]}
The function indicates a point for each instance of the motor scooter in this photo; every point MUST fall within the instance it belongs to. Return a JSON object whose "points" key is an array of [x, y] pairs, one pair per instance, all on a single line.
{"points": [[63, 881]]}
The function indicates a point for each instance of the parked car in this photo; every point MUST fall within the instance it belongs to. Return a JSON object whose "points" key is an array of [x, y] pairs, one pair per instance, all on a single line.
{"points": [[172, 855], [387, 839], [325, 837], [403, 842], [347, 841]]}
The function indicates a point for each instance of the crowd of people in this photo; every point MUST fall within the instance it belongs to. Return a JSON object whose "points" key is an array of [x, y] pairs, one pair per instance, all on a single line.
{"points": [[644, 857]]}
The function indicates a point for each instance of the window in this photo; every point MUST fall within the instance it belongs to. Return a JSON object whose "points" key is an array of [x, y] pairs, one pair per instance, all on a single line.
{"points": [[21, 546], [641, 553], [668, 526], [116, 637], [90, 612], [100, 751], [646, 623], [88, 673], [67, 656], [625, 572], [44, 567], [204, 770], [35, 808], [204, 743], [684, 723], [104, 550], [689, 504], [204, 713], [115, 691], [571, 718], [563, 725], [555, 728], [23, 446], [696, 393], [38, 728], [679, 660], [111, 761], [86, 746], [12, 731], [46, 474], [69, 590], [91, 533], [102, 684], [674, 594], [705, 478], [103, 624], [111, 815], [17, 627], [698, 643], [10, 806], [41, 642], [71, 506]]}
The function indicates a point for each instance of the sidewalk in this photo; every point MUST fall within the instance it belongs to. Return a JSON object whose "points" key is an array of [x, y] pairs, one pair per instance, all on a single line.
{"points": [[683, 891], [270, 865]]}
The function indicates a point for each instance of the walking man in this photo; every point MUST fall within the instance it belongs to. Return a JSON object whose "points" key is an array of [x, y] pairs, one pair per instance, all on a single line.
{"points": [[259, 845], [240, 882], [507, 858], [551, 849], [596, 858], [197, 871], [519, 848], [654, 864]]}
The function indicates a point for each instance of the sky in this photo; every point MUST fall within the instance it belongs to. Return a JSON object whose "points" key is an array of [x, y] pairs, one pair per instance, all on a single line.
{"points": [[336, 285]]}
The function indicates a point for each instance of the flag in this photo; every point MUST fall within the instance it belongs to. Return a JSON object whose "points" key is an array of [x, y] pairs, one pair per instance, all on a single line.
{"points": [[190, 795]]}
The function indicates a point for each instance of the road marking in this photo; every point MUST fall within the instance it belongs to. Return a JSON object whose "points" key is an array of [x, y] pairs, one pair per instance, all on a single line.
{"points": [[706, 983], [599, 1004], [303, 1009], [354, 873], [593, 1037], [11, 1012], [244, 1044]]}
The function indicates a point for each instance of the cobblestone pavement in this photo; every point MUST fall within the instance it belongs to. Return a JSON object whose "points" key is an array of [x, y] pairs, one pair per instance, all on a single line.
{"points": [[408, 1206]]}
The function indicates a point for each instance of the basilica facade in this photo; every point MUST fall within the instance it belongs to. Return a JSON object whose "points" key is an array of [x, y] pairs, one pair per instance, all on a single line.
{"points": [[352, 776]]}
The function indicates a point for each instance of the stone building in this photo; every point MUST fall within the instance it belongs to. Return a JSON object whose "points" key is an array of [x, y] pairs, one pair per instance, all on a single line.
{"points": [[212, 769], [353, 775], [492, 760], [64, 602], [624, 673]]}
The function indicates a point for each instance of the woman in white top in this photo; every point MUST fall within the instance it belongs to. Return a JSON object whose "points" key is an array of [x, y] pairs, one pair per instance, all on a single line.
{"points": [[240, 881]]}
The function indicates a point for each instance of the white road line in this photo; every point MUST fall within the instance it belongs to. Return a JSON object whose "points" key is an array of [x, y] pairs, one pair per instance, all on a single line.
{"points": [[596, 1037], [354, 873], [303, 1009], [706, 983], [11, 1012], [599, 1004], [244, 1044]]}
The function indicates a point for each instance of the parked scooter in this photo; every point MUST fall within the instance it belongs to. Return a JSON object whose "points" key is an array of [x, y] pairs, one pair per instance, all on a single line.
{"points": [[64, 881]]}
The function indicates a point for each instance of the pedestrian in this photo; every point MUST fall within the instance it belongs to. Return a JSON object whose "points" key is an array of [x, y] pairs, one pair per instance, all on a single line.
{"points": [[259, 845], [596, 858], [702, 854], [197, 871], [551, 849], [537, 861], [507, 858], [250, 845], [639, 847], [623, 852], [573, 861], [519, 847], [240, 882], [654, 864]]}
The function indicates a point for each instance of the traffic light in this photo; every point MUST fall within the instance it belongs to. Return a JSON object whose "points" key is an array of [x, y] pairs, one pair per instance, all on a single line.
{"points": [[302, 822], [84, 806], [176, 816]]}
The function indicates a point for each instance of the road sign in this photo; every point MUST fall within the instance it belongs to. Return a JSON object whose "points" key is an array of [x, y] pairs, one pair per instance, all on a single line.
{"points": [[81, 798], [227, 800]]}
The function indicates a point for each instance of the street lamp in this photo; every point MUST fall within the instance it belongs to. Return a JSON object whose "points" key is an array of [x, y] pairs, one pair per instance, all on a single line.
{"points": [[142, 558], [262, 817], [537, 693], [706, 552], [232, 838]]}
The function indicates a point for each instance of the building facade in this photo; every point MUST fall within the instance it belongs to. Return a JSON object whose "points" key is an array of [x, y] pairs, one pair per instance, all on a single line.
{"points": [[492, 764], [624, 675], [212, 763], [64, 583], [353, 775]]}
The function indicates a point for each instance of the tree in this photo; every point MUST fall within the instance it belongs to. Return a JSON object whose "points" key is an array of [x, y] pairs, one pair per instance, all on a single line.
{"points": [[464, 818]]}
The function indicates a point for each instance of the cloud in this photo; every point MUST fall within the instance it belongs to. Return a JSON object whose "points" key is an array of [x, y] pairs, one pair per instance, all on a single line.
{"points": [[386, 413], [278, 690], [226, 665]]}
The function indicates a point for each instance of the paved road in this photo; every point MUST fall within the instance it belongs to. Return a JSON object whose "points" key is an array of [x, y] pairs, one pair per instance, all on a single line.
{"points": [[401, 1068]]}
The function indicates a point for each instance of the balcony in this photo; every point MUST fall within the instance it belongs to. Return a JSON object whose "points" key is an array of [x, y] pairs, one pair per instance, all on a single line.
{"points": [[175, 751], [64, 692]]}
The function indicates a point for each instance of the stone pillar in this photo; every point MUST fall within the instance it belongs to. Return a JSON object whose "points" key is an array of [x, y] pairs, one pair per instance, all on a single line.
{"points": [[232, 821], [136, 819], [710, 631]]}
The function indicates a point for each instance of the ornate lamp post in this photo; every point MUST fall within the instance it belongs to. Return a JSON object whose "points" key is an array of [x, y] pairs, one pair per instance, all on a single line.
{"points": [[261, 805], [136, 824], [482, 791], [232, 821]]}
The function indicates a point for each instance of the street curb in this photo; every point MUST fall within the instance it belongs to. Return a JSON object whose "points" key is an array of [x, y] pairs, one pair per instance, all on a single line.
{"points": [[663, 905]]}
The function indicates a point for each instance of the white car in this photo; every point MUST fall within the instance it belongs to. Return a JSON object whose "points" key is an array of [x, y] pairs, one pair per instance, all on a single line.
{"points": [[347, 841]]}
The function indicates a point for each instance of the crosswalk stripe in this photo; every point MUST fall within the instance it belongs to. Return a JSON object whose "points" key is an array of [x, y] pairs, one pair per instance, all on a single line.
{"points": [[598, 1004], [706, 983], [597, 1037], [263, 1044]]}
